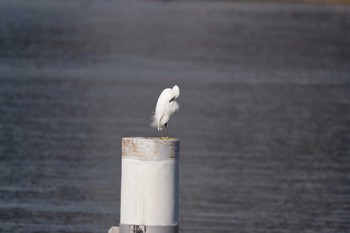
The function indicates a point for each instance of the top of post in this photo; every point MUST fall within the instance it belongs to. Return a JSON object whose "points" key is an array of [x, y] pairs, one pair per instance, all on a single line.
{"points": [[150, 148]]}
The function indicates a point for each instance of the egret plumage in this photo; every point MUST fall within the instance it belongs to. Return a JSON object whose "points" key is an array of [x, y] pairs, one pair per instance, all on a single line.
{"points": [[166, 106]]}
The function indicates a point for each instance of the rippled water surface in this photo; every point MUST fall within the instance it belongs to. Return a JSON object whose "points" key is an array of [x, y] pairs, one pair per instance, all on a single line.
{"points": [[264, 122]]}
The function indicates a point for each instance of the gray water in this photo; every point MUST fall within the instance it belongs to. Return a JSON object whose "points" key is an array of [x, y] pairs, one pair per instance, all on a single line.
{"points": [[264, 121]]}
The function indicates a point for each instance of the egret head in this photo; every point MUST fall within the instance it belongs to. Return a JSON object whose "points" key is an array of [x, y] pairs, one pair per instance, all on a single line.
{"points": [[176, 90]]}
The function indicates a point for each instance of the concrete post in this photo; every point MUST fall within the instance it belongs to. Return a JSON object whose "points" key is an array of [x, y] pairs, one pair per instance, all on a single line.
{"points": [[149, 185]]}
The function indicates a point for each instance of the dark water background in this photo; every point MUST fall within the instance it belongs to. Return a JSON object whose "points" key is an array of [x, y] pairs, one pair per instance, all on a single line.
{"points": [[264, 121]]}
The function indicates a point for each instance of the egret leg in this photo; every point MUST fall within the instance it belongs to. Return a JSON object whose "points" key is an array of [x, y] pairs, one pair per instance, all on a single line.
{"points": [[166, 129], [163, 133]]}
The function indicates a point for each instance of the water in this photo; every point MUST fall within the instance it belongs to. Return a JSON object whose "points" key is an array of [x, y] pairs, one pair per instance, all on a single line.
{"points": [[264, 121]]}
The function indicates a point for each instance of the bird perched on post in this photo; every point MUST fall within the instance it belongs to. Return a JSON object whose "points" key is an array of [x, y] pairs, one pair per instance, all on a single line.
{"points": [[166, 106]]}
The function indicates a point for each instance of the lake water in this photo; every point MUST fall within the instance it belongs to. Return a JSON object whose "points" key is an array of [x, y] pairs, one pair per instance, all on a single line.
{"points": [[264, 122]]}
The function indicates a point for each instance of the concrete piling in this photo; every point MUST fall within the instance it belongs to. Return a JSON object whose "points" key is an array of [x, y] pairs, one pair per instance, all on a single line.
{"points": [[149, 185]]}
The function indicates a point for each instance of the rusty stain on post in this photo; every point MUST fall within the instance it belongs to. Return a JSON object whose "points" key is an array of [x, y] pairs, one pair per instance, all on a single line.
{"points": [[148, 147]]}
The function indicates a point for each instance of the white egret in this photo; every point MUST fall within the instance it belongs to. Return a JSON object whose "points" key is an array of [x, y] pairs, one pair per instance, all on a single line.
{"points": [[166, 106]]}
